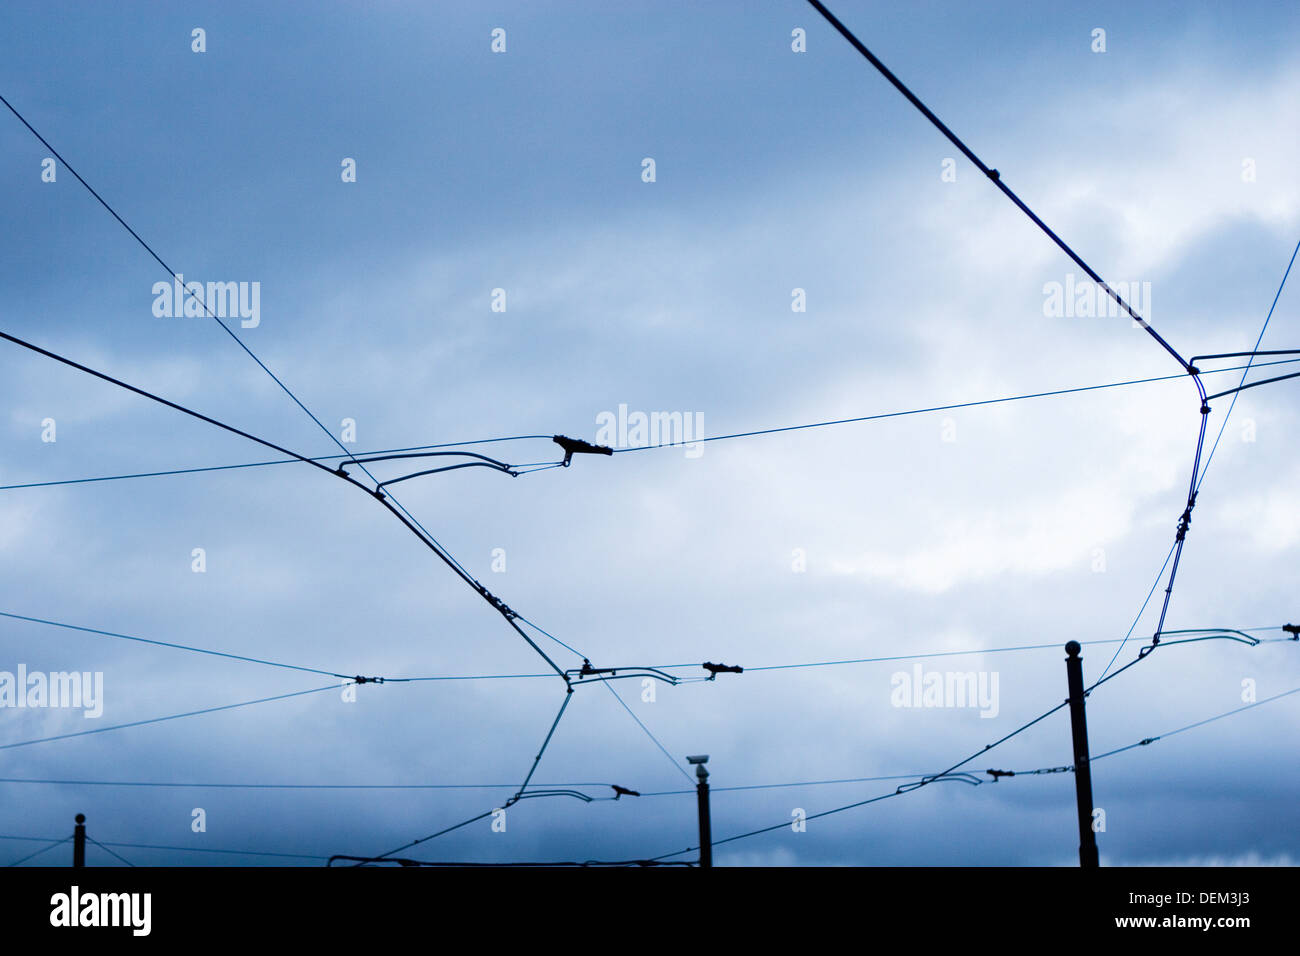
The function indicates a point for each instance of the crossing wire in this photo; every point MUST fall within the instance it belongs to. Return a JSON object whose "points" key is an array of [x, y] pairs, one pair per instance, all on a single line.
{"points": [[276, 461], [388, 500], [31, 856], [159, 720], [935, 408], [1198, 480], [996, 178], [528, 469], [991, 173], [109, 851], [179, 849], [933, 778]]}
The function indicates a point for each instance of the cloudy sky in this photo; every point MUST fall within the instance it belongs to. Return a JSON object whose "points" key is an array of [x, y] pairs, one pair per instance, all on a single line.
{"points": [[1168, 161]]}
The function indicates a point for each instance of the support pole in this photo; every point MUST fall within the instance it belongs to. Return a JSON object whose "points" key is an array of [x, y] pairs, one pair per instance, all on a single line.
{"points": [[1082, 769], [702, 793], [79, 842]]}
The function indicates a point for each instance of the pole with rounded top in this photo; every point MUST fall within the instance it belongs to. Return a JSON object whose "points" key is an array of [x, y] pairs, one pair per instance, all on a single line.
{"points": [[1082, 770], [702, 792], [79, 842]]}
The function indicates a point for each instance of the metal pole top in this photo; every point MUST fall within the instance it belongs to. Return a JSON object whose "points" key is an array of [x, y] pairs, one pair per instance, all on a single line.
{"points": [[1073, 648]]}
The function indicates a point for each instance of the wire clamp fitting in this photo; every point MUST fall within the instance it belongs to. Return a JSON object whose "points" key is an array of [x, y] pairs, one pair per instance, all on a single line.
{"points": [[716, 669], [577, 446]]}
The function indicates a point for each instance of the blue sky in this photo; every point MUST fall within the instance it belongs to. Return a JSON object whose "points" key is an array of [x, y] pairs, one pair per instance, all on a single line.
{"points": [[522, 171]]}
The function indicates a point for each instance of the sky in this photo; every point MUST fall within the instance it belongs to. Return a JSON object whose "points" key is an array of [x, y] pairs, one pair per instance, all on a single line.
{"points": [[808, 249]]}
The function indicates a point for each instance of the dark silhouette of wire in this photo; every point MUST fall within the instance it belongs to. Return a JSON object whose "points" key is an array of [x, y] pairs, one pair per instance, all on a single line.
{"points": [[1200, 723], [179, 647], [277, 461], [1147, 741], [791, 784], [518, 795], [548, 634], [163, 785], [267, 663], [172, 274], [470, 677], [652, 737], [531, 467], [1132, 627], [935, 408], [150, 474], [109, 851], [912, 657], [993, 175], [162, 401], [568, 696], [905, 788], [431, 836], [1223, 631], [414, 680], [158, 720], [1258, 340], [931, 777], [31, 856], [1242, 388], [402, 861], [181, 849], [386, 500], [389, 501], [1198, 478], [949, 773], [293, 786]]}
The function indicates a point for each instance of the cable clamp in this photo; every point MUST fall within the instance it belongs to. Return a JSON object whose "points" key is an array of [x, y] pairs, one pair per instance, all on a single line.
{"points": [[1185, 521], [574, 446], [716, 669]]}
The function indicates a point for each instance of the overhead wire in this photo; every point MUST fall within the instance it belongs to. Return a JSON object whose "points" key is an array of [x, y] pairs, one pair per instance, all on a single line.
{"points": [[159, 720], [942, 775], [32, 856], [387, 499], [109, 850], [180, 849], [531, 467]]}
